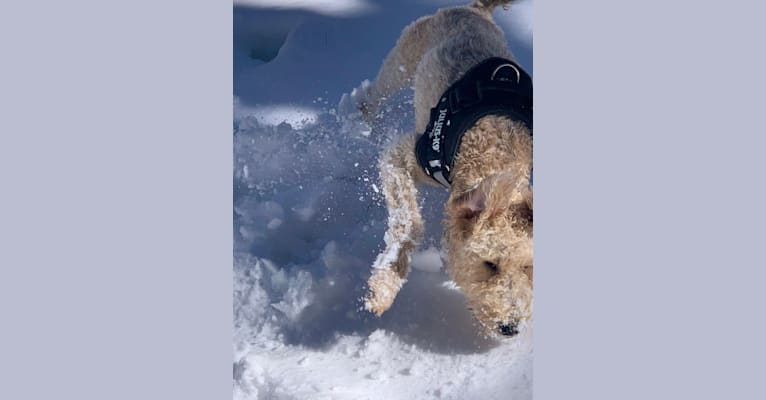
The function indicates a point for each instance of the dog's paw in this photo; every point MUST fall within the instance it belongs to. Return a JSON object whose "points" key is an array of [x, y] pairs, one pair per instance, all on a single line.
{"points": [[383, 286]]}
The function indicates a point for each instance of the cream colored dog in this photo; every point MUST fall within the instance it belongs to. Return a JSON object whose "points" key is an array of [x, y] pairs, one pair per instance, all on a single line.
{"points": [[488, 225]]}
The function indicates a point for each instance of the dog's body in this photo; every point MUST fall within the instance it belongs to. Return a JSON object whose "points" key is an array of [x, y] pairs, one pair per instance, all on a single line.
{"points": [[488, 225]]}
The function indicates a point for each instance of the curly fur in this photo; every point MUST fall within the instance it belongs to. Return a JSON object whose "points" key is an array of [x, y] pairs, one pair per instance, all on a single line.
{"points": [[488, 216]]}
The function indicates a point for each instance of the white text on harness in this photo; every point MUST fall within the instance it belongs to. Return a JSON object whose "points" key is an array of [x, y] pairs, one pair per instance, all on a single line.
{"points": [[436, 132]]}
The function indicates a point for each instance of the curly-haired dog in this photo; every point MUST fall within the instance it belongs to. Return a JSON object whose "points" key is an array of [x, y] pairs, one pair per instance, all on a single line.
{"points": [[488, 221]]}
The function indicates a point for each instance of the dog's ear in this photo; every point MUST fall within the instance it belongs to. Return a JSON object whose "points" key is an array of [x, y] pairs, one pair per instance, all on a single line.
{"points": [[493, 194], [470, 205]]}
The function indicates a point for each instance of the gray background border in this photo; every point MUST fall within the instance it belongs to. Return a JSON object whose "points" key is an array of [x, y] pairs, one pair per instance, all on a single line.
{"points": [[649, 200], [115, 164], [116, 232]]}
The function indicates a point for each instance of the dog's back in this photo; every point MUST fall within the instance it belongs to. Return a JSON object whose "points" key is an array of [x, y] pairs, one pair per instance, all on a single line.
{"points": [[432, 53], [458, 39]]}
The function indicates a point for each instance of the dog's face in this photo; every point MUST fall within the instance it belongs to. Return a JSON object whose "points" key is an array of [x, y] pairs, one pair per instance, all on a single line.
{"points": [[489, 240]]}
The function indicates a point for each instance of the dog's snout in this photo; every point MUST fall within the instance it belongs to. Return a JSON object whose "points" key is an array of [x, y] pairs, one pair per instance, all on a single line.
{"points": [[507, 329]]}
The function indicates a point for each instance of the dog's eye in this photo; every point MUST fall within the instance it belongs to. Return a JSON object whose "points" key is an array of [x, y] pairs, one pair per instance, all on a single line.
{"points": [[492, 266]]}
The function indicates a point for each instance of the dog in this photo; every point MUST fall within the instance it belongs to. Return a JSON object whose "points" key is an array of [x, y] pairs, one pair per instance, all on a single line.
{"points": [[488, 215]]}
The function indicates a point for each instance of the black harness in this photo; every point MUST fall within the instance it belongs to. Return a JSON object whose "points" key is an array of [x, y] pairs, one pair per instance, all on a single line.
{"points": [[495, 86]]}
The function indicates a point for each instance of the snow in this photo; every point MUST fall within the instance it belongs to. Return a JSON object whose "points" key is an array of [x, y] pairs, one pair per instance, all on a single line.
{"points": [[273, 361], [428, 260], [309, 222], [298, 117]]}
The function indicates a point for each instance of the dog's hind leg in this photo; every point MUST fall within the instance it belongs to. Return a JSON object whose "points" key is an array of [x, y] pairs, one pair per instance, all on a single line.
{"points": [[399, 66], [398, 172]]}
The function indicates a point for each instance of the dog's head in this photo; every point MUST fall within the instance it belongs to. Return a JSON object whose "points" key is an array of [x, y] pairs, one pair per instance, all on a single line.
{"points": [[489, 241]]}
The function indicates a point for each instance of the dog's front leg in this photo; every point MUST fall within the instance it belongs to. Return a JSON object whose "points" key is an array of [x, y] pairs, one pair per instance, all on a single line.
{"points": [[405, 225]]}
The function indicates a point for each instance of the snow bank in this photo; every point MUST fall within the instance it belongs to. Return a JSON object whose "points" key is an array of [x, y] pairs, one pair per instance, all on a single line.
{"points": [[377, 364]]}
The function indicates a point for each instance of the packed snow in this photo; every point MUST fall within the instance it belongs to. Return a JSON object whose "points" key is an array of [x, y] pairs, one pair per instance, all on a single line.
{"points": [[309, 222]]}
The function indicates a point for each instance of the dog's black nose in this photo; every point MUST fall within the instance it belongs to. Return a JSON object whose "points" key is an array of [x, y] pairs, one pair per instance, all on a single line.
{"points": [[507, 330]]}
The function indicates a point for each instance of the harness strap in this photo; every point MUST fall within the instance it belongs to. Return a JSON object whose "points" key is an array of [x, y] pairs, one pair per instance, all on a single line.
{"points": [[496, 86]]}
